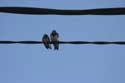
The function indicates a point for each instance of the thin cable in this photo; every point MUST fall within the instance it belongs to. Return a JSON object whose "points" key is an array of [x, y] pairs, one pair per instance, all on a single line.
{"points": [[66, 42], [47, 11]]}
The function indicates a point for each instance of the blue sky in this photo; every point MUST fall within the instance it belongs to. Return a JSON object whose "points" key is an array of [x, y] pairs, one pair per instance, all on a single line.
{"points": [[72, 63]]}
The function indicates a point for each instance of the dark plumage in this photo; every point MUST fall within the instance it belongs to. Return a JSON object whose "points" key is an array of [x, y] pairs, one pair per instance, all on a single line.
{"points": [[46, 41], [55, 39]]}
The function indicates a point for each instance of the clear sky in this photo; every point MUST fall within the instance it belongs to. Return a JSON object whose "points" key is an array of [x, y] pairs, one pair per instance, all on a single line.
{"points": [[21, 63]]}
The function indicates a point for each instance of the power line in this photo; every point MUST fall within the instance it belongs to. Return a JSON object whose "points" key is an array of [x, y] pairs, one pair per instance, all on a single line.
{"points": [[66, 42], [47, 11]]}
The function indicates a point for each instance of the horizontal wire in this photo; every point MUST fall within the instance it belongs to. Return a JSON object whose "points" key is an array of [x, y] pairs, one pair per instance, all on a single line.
{"points": [[47, 11], [66, 42]]}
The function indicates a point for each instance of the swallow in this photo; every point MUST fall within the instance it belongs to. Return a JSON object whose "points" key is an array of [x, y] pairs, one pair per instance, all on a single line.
{"points": [[55, 39], [46, 41]]}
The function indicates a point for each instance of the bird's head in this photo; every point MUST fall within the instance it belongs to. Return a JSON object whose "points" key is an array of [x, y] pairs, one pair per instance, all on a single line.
{"points": [[45, 35], [54, 31]]}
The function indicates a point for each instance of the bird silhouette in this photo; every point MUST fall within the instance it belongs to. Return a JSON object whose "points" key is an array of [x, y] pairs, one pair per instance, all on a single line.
{"points": [[46, 41], [55, 39]]}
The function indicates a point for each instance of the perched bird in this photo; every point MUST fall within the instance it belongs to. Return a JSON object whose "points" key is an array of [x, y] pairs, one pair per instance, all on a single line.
{"points": [[46, 41], [55, 39]]}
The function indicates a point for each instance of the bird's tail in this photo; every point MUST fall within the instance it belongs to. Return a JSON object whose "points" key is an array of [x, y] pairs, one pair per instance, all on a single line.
{"points": [[50, 47], [56, 46]]}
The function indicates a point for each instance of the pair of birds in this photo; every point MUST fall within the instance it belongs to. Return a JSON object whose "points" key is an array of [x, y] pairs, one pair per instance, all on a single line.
{"points": [[54, 39]]}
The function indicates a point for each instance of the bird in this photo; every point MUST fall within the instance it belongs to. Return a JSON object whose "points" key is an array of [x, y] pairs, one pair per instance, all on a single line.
{"points": [[55, 39], [46, 41]]}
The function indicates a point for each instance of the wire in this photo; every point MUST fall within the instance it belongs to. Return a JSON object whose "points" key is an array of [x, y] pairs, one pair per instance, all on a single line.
{"points": [[47, 11], [66, 42]]}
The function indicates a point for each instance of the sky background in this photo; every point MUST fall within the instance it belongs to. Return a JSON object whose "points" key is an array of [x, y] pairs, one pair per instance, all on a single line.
{"points": [[21, 63]]}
